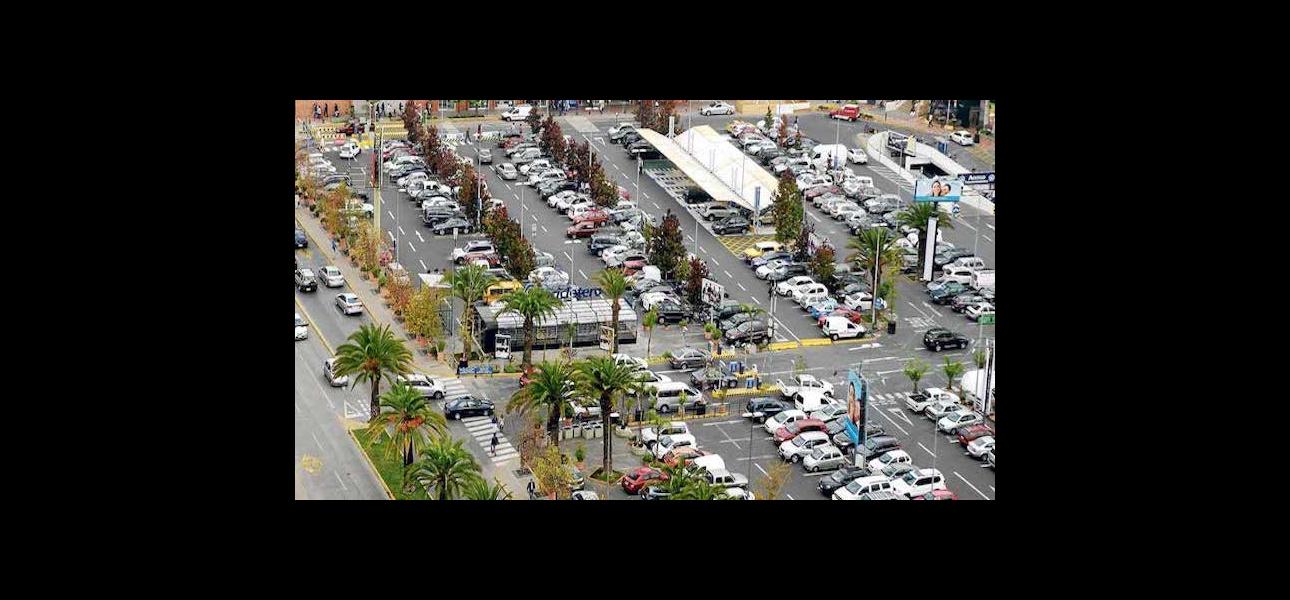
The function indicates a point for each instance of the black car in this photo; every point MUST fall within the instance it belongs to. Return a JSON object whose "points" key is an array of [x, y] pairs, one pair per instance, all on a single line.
{"points": [[851, 288], [305, 281], [938, 338], [467, 406], [728, 309], [841, 477], [712, 378], [769, 256], [962, 301], [637, 146], [547, 190], [600, 242], [875, 446], [753, 331], [769, 154], [946, 293], [648, 154], [301, 240], [838, 432], [447, 225], [767, 407], [948, 256], [731, 224], [436, 216], [336, 178], [670, 312], [735, 320], [631, 138]]}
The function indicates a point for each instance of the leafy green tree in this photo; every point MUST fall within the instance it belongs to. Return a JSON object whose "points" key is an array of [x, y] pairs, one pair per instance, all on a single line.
{"points": [[822, 266], [407, 420], [872, 245], [444, 470], [665, 246], [422, 315], [601, 377], [534, 120], [614, 285], [773, 482], [700, 489], [373, 353], [978, 358], [694, 281], [532, 304], [952, 369], [479, 489], [914, 370], [469, 283], [770, 119], [547, 392], [802, 245], [787, 209], [649, 322], [916, 216]]}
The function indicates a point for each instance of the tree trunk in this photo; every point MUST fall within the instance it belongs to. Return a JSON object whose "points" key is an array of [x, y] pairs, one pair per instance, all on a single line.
{"points": [[528, 342], [649, 341], [553, 424], [408, 458], [375, 408], [613, 344], [606, 407]]}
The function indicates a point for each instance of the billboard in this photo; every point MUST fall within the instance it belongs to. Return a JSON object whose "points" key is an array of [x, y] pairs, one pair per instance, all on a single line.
{"points": [[857, 396], [938, 189], [712, 292]]}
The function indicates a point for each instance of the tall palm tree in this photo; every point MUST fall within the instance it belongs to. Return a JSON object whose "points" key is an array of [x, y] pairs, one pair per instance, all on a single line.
{"points": [[951, 369], [479, 489], [372, 353], [614, 285], [916, 217], [603, 378], [914, 370], [548, 389], [407, 420], [649, 322], [531, 304], [469, 283], [872, 245], [444, 470], [700, 489]]}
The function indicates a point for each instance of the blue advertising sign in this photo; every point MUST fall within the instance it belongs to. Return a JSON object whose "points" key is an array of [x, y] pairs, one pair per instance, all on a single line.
{"points": [[857, 396], [938, 189], [978, 178]]}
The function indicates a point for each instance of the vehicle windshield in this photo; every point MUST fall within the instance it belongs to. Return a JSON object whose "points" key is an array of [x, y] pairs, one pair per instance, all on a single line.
{"points": [[799, 441], [910, 477]]}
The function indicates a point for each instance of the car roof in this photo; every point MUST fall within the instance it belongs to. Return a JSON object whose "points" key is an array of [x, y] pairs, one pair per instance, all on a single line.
{"points": [[814, 435]]}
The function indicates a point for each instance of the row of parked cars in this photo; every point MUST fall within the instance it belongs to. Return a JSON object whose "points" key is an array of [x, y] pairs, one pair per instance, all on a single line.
{"points": [[674, 445], [808, 426]]}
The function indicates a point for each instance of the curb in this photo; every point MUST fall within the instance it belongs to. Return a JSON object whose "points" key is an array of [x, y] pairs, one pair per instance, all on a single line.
{"points": [[368, 459], [316, 330]]}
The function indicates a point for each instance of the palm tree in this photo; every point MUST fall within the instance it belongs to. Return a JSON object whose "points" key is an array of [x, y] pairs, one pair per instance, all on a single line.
{"points": [[649, 321], [531, 304], [978, 357], [407, 420], [875, 245], [469, 283], [603, 378], [914, 370], [614, 285], [700, 489], [444, 469], [548, 389], [372, 353], [916, 217], [479, 489], [951, 369]]}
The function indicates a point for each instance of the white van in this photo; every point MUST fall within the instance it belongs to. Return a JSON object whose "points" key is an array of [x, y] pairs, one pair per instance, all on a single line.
{"points": [[841, 327], [519, 113], [669, 395], [711, 462], [971, 262], [809, 400], [983, 278], [821, 154]]}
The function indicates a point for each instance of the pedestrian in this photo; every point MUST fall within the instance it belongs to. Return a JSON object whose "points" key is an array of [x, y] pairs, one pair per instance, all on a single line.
{"points": [[335, 110], [324, 110], [333, 244], [400, 107], [501, 423], [493, 445], [532, 490], [479, 131]]}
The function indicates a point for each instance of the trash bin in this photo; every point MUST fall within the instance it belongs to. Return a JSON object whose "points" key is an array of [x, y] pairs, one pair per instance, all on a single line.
{"points": [[891, 326], [639, 415], [701, 408], [615, 418]]}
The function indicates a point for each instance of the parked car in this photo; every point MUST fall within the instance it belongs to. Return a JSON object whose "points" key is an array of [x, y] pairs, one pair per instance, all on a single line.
{"points": [[753, 331], [980, 446], [796, 428], [714, 210], [759, 249], [760, 409], [670, 443], [781, 419], [918, 482], [800, 446], [302, 328], [636, 480], [448, 225], [329, 373], [936, 410], [863, 486], [951, 422], [890, 457], [688, 358], [508, 171], [971, 433], [466, 406], [857, 156], [875, 446], [962, 138], [349, 304], [920, 401], [717, 108], [978, 310], [731, 224], [840, 478], [939, 338]]}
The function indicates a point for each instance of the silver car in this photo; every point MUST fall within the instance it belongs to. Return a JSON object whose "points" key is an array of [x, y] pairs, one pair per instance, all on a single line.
{"points": [[331, 276], [302, 328], [507, 171], [485, 156], [349, 304]]}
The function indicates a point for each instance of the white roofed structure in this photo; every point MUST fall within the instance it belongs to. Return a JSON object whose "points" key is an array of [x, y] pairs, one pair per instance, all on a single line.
{"points": [[716, 165]]}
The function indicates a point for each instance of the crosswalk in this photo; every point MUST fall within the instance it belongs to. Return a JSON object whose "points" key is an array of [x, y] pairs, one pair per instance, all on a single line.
{"points": [[482, 428], [891, 176], [581, 124]]}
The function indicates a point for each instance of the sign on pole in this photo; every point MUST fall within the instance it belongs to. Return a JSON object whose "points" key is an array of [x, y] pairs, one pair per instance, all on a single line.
{"points": [[930, 253], [606, 337], [938, 189], [857, 397], [978, 178], [502, 346], [712, 292]]}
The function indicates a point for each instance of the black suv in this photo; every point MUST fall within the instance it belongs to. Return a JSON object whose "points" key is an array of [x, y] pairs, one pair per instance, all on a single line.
{"points": [[938, 337], [305, 280], [841, 477], [600, 242], [731, 224], [548, 190], [301, 240], [768, 407], [750, 331], [838, 432], [466, 406], [875, 446], [695, 195]]}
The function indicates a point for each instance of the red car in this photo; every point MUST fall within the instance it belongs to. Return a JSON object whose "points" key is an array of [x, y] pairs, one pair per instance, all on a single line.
{"points": [[783, 434], [848, 112], [527, 375], [842, 311], [972, 432], [634, 265], [592, 216], [822, 190], [581, 230], [492, 258], [936, 495], [352, 128], [634, 480]]}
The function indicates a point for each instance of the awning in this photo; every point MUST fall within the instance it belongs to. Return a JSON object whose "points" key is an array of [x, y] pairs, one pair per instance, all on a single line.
{"points": [[716, 166]]}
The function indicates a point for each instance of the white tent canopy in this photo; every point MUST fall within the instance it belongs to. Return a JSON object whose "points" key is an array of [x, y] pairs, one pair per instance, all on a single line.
{"points": [[716, 165]]}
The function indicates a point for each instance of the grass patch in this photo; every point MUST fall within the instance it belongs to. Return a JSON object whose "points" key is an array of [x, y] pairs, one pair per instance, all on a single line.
{"points": [[390, 469]]}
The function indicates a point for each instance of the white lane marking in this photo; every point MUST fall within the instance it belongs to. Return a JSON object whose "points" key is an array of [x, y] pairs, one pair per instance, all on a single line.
{"points": [[414, 248], [566, 255], [646, 194], [390, 233], [789, 496], [987, 238], [812, 215], [616, 166], [991, 487], [900, 413], [920, 311], [869, 360], [763, 471], [342, 481], [419, 237], [920, 445], [893, 422], [401, 232], [702, 250], [727, 273], [990, 226], [756, 300], [969, 484], [544, 229], [929, 307], [584, 275], [741, 286], [723, 423], [423, 265], [508, 186], [391, 213], [320, 446], [656, 205], [759, 457]]}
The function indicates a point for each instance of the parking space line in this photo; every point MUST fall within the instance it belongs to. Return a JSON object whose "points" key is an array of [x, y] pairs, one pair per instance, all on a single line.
{"points": [[893, 422], [727, 273], [391, 213], [741, 286], [705, 251], [969, 484], [755, 299], [790, 496], [566, 255], [656, 205], [759, 457], [991, 487], [414, 248], [714, 261], [990, 226], [420, 238], [401, 232], [584, 276], [390, 233], [920, 445], [987, 238], [423, 264], [342, 481], [763, 471], [544, 229], [812, 215]]}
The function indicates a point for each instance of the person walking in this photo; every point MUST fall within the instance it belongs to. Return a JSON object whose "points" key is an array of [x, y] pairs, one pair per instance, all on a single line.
{"points": [[770, 292], [492, 446], [333, 244]]}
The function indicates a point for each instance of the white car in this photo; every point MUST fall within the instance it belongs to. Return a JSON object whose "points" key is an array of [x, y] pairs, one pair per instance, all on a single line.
{"points": [[507, 171], [888, 458], [962, 275], [962, 138], [537, 166], [802, 444], [554, 199], [782, 419], [302, 328], [625, 359], [568, 201], [428, 387], [839, 210], [717, 108], [329, 373], [918, 402], [349, 304], [668, 443], [472, 246], [989, 457], [408, 180], [978, 447], [956, 419], [976, 311], [350, 151], [330, 276], [918, 482], [739, 493], [940, 408], [830, 412], [804, 381], [650, 436], [620, 127], [613, 254], [857, 156], [546, 176], [811, 291], [861, 486], [786, 287], [549, 277], [824, 457], [647, 376]]}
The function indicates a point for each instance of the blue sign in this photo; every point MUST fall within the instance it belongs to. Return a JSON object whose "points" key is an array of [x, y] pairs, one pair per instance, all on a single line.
{"points": [[857, 397], [977, 178], [476, 370]]}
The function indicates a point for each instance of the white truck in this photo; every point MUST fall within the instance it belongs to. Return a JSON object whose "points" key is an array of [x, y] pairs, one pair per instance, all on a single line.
{"points": [[823, 153], [983, 278], [650, 436], [519, 113]]}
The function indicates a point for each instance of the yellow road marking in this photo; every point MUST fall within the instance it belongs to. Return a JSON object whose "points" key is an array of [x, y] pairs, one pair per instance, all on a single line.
{"points": [[311, 464]]}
